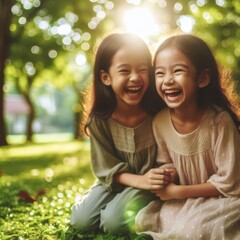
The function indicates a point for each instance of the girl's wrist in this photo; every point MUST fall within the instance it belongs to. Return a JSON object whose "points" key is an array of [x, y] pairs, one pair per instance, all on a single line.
{"points": [[180, 193], [137, 181]]}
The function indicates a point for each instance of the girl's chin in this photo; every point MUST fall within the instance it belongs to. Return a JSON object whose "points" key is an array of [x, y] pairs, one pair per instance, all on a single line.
{"points": [[132, 101], [173, 104]]}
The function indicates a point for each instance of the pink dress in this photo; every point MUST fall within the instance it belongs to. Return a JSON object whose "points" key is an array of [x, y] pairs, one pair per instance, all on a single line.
{"points": [[211, 153]]}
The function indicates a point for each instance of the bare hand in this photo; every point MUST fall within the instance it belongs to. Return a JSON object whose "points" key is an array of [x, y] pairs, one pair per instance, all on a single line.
{"points": [[156, 179]]}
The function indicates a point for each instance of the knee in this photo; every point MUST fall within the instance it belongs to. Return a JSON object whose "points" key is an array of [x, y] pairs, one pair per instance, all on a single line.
{"points": [[110, 222], [113, 222], [119, 214], [81, 219]]}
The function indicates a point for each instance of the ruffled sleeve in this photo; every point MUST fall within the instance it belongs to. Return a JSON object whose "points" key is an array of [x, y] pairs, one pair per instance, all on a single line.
{"points": [[104, 159], [226, 153]]}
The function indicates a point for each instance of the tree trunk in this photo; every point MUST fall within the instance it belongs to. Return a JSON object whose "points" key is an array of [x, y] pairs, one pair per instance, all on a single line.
{"points": [[30, 119], [5, 19], [78, 113], [78, 134]]}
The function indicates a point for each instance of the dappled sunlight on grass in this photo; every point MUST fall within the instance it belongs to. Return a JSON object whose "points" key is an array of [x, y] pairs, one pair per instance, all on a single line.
{"points": [[41, 138], [29, 150], [61, 171], [38, 185]]}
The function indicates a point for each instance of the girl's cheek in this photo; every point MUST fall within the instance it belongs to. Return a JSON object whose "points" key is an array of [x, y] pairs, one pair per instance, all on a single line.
{"points": [[158, 83]]}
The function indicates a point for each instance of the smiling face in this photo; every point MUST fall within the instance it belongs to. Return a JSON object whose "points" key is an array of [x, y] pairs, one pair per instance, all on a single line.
{"points": [[176, 78], [128, 76]]}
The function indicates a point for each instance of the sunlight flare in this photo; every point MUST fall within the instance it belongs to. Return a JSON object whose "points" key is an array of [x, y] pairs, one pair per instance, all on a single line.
{"points": [[141, 22]]}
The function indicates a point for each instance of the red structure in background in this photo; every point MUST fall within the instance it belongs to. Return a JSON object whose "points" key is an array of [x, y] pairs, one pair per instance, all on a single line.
{"points": [[15, 113], [15, 104]]}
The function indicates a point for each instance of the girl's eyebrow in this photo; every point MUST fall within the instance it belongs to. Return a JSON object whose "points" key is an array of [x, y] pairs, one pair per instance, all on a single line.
{"points": [[127, 65], [181, 65], [174, 65], [122, 65], [159, 67]]}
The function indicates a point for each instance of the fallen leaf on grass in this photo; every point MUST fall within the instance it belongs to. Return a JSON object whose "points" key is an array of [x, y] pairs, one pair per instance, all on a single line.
{"points": [[41, 192], [26, 197]]}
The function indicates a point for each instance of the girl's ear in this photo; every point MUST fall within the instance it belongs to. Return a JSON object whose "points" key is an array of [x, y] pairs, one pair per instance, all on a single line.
{"points": [[204, 78], [105, 78]]}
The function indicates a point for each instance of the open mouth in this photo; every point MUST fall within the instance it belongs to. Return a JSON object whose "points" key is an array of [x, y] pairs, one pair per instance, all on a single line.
{"points": [[172, 93], [133, 90]]}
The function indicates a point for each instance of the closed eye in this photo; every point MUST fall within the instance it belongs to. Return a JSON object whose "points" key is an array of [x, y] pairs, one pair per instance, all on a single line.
{"points": [[143, 69], [179, 70], [159, 74]]}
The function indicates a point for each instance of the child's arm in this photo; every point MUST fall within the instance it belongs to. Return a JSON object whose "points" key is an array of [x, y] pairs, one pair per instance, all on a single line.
{"points": [[154, 179], [173, 191]]}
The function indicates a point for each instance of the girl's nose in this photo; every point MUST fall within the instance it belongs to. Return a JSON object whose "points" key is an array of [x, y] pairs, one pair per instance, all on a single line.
{"points": [[168, 79], [133, 76]]}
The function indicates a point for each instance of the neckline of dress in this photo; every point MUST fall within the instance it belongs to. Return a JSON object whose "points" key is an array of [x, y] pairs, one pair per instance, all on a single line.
{"points": [[139, 125], [192, 132]]}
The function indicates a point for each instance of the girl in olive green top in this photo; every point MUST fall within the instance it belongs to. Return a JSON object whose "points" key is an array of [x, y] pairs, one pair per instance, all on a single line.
{"points": [[123, 148]]}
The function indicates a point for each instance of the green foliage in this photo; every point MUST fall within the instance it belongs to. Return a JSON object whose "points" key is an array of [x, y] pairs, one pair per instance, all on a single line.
{"points": [[45, 40], [217, 22], [53, 175], [39, 30]]}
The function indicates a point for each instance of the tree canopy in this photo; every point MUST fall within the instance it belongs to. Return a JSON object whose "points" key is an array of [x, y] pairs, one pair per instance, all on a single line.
{"points": [[54, 41]]}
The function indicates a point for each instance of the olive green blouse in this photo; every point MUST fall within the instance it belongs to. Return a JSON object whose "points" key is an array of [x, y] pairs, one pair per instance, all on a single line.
{"points": [[118, 149]]}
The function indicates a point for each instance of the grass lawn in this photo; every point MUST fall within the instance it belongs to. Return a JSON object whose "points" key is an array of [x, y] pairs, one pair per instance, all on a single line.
{"points": [[38, 185]]}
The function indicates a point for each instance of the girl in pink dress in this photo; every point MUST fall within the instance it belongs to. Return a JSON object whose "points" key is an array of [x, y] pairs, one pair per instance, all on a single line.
{"points": [[198, 134]]}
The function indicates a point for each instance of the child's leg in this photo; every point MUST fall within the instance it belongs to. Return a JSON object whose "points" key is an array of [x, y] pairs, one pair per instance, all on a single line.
{"points": [[119, 214], [86, 213]]}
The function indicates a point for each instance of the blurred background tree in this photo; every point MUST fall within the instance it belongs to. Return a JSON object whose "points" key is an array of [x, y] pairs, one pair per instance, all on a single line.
{"points": [[47, 49]]}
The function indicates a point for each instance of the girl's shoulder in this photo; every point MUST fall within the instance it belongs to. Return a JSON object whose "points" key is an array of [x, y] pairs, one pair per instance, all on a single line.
{"points": [[98, 125], [96, 121], [220, 117], [162, 116], [218, 113]]}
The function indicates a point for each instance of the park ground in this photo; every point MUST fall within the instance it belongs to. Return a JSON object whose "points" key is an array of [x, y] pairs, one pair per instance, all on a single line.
{"points": [[39, 182]]}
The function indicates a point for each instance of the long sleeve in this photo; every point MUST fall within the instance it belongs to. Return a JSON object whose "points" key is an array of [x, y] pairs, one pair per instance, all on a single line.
{"points": [[227, 157], [104, 159]]}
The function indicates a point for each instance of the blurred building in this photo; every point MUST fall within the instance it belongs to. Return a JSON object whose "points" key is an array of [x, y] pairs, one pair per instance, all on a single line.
{"points": [[16, 110]]}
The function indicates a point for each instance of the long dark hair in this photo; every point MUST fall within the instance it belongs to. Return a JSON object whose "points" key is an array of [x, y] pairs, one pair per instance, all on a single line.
{"points": [[199, 53], [104, 100]]}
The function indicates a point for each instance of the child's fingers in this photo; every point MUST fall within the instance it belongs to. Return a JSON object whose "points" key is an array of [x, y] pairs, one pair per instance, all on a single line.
{"points": [[159, 182], [160, 174], [163, 171], [169, 170]]}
